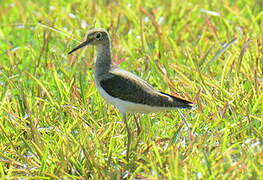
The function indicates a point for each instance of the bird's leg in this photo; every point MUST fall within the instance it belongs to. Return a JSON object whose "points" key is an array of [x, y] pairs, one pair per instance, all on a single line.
{"points": [[137, 125], [128, 135], [137, 122]]}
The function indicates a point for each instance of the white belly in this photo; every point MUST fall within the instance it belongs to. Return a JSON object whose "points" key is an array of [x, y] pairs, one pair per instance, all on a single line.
{"points": [[125, 106]]}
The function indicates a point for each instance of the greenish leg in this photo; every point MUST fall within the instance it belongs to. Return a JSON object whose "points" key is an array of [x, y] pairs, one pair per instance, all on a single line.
{"points": [[128, 135], [137, 125]]}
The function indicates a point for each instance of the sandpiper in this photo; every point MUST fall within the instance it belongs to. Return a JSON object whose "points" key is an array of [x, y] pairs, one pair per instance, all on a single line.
{"points": [[124, 90]]}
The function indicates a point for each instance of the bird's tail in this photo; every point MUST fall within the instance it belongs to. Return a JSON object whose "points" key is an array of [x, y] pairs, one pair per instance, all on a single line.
{"points": [[180, 103]]}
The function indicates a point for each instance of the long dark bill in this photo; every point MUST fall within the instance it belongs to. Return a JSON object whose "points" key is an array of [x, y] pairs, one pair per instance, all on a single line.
{"points": [[79, 46]]}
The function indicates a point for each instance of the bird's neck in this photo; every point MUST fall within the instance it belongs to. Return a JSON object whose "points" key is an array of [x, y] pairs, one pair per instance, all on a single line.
{"points": [[103, 59]]}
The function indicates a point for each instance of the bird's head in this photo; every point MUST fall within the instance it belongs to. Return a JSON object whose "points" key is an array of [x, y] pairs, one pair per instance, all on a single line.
{"points": [[94, 37]]}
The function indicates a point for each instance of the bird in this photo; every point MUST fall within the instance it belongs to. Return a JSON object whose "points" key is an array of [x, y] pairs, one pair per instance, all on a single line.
{"points": [[126, 91]]}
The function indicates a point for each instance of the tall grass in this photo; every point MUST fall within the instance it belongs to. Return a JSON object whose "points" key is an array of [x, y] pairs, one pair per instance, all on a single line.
{"points": [[54, 124]]}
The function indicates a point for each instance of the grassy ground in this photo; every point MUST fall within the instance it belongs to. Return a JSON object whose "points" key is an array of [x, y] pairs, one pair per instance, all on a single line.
{"points": [[54, 124]]}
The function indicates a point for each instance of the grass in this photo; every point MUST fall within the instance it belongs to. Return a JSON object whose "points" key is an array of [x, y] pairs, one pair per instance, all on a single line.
{"points": [[54, 124]]}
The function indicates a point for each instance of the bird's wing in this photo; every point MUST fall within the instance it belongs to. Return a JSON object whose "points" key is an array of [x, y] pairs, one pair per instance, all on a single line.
{"points": [[129, 87]]}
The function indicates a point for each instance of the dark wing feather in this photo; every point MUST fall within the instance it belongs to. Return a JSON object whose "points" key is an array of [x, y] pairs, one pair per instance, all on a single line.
{"points": [[132, 88]]}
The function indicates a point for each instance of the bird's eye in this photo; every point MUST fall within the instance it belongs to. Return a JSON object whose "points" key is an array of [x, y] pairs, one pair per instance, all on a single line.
{"points": [[98, 36]]}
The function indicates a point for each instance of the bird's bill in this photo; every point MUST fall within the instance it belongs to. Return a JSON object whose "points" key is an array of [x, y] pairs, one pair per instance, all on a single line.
{"points": [[79, 46]]}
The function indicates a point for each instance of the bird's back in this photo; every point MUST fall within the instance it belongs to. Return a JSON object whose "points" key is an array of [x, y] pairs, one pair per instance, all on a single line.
{"points": [[128, 87]]}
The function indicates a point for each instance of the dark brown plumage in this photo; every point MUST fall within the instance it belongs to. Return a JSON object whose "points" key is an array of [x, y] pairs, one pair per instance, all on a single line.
{"points": [[131, 88]]}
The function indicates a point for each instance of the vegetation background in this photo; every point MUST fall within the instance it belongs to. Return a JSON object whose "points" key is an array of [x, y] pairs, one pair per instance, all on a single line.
{"points": [[54, 124]]}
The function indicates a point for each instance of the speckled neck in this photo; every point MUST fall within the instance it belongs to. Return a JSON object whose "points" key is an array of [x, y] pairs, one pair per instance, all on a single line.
{"points": [[103, 59]]}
